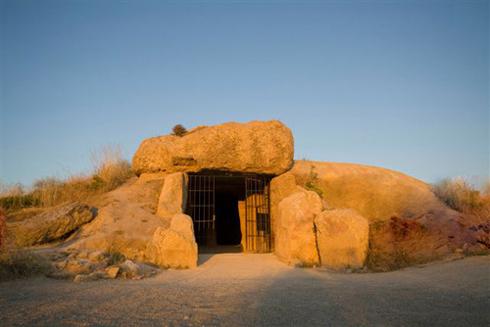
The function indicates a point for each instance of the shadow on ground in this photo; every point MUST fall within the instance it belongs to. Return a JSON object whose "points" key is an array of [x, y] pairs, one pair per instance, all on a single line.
{"points": [[257, 290]]}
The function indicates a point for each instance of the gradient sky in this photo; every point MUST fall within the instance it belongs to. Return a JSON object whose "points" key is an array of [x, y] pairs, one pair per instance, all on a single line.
{"points": [[397, 84]]}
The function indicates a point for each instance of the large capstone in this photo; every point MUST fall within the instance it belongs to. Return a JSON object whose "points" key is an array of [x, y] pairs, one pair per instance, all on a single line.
{"points": [[264, 147]]}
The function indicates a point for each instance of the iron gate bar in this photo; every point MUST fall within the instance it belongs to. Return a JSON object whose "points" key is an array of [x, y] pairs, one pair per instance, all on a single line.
{"points": [[201, 206], [257, 204]]}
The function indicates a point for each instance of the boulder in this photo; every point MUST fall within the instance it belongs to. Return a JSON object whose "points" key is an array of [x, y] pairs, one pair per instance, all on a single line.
{"points": [[173, 196], [125, 222], [256, 147], [281, 187], [342, 238], [295, 241], [51, 225], [174, 247]]}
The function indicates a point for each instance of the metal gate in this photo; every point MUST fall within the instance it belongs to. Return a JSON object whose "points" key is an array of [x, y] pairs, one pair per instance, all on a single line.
{"points": [[257, 208], [201, 207]]}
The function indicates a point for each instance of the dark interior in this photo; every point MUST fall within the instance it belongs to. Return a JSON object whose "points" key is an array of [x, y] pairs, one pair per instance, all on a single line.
{"points": [[229, 190]]}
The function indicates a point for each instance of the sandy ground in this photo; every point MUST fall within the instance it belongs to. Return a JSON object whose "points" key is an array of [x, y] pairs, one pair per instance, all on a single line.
{"points": [[257, 290]]}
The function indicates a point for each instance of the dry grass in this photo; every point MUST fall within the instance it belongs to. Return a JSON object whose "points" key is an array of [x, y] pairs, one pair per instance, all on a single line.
{"points": [[312, 182], [110, 171], [21, 263], [461, 196], [3, 229]]}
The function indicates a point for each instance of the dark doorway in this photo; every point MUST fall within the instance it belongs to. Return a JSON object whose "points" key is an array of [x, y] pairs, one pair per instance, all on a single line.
{"points": [[227, 219], [230, 212]]}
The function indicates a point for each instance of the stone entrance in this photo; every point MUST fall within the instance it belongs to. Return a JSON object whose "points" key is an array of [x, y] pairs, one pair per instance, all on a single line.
{"points": [[230, 210]]}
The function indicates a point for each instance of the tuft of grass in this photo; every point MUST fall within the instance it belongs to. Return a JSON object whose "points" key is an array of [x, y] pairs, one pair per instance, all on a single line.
{"points": [[312, 182], [114, 257], [111, 170]]}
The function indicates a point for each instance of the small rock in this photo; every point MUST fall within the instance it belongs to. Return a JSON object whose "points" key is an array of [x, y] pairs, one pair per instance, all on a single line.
{"points": [[99, 275], [60, 264], [112, 271], [130, 267], [82, 278], [59, 275], [79, 266], [96, 256]]}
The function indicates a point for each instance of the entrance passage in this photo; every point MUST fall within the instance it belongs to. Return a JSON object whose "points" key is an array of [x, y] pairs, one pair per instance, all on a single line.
{"points": [[230, 211]]}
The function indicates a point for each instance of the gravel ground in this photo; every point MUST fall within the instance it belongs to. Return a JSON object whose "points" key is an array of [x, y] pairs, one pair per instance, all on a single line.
{"points": [[257, 290]]}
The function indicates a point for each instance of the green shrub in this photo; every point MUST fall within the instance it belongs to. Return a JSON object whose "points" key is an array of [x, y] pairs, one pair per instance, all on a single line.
{"points": [[312, 182], [179, 130]]}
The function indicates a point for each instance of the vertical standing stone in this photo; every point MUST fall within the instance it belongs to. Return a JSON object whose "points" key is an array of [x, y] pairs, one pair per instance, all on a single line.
{"points": [[173, 196], [295, 241]]}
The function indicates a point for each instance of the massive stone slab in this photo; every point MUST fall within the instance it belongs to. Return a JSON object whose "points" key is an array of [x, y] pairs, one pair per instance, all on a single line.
{"points": [[264, 147]]}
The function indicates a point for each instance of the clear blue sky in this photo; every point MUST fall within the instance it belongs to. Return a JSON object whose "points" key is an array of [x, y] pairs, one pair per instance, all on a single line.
{"points": [[397, 84]]}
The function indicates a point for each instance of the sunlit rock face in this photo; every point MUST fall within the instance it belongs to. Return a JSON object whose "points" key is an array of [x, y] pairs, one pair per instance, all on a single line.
{"points": [[342, 238], [174, 247], [264, 147], [295, 241]]}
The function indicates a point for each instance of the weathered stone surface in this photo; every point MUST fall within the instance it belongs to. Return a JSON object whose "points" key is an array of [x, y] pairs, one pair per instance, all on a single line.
{"points": [[80, 266], [125, 222], [255, 147], [342, 238], [376, 193], [174, 247], [173, 196], [130, 269], [112, 271], [281, 187], [51, 225], [295, 241]]}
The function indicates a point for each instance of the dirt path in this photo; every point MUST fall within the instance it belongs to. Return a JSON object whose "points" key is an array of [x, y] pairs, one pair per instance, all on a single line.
{"points": [[257, 290]]}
